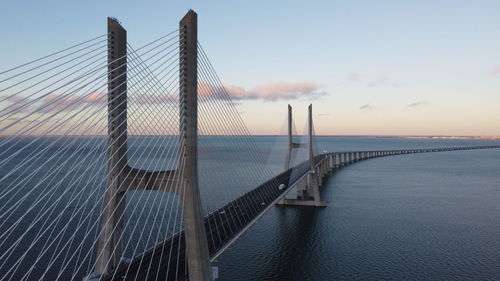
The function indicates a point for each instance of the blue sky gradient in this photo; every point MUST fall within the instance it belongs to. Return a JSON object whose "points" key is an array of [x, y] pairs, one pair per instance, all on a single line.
{"points": [[387, 67]]}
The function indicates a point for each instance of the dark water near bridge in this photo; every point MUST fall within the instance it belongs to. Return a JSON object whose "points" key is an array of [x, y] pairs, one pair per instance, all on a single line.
{"points": [[433, 216]]}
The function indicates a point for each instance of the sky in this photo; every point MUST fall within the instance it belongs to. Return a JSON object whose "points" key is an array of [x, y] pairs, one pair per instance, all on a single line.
{"points": [[368, 67]]}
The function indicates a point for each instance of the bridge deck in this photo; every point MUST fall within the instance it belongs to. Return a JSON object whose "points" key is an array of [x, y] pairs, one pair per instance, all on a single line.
{"points": [[167, 260]]}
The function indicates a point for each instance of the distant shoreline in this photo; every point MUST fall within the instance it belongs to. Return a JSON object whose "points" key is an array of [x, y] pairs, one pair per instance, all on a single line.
{"points": [[339, 136]]}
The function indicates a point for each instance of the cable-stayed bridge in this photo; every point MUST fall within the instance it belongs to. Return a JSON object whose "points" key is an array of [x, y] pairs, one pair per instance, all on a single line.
{"points": [[123, 163]]}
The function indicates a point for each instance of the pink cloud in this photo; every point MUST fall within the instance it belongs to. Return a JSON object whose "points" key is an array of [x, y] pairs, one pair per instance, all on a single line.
{"points": [[496, 70], [417, 104], [52, 103], [149, 99], [18, 105], [60, 102], [268, 92], [276, 91]]}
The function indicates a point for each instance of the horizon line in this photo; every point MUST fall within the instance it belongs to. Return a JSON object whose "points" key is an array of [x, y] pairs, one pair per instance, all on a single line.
{"points": [[274, 135]]}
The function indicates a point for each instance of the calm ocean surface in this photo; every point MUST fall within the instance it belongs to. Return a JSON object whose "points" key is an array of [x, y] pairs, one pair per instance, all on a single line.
{"points": [[432, 216]]}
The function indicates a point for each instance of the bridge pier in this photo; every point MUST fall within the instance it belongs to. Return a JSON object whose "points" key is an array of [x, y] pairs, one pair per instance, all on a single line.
{"points": [[332, 162]]}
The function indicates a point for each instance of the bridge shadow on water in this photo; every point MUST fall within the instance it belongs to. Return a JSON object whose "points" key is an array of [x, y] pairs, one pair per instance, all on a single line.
{"points": [[287, 234]]}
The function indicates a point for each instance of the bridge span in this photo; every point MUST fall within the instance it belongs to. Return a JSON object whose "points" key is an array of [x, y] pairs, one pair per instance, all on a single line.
{"points": [[225, 225], [67, 164]]}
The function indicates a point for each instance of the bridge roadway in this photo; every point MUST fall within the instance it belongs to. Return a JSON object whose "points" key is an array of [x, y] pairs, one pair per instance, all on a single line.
{"points": [[166, 261]]}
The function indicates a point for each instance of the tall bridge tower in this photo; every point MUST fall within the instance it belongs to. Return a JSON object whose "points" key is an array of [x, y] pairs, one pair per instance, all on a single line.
{"points": [[122, 178], [307, 187]]}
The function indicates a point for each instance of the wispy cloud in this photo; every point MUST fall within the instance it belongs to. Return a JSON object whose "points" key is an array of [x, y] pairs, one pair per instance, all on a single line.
{"points": [[59, 102], [52, 103], [417, 104], [366, 106], [382, 81], [354, 77], [157, 99], [268, 92], [496, 70], [17, 105]]}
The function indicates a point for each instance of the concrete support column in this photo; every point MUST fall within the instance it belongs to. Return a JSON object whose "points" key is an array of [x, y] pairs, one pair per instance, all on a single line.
{"points": [[194, 229], [109, 249], [290, 140], [310, 131], [319, 173], [301, 189], [313, 187]]}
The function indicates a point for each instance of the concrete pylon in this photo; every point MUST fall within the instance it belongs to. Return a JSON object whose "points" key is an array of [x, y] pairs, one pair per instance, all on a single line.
{"points": [[109, 249], [122, 177], [194, 229], [290, 144], [307, 187]]}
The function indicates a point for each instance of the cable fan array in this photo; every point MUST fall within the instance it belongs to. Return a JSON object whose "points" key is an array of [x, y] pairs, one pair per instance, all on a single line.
{"points": [[53, 155]]}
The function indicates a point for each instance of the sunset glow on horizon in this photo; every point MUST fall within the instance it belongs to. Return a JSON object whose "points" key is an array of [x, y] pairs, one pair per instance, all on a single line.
{"points": [[416, 68]]}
